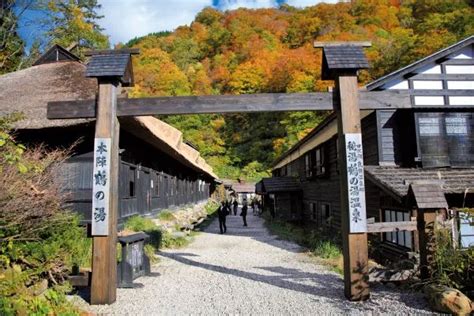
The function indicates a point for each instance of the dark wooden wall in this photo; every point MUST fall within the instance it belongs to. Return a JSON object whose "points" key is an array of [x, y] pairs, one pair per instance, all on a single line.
{"points": [[142, 165]]}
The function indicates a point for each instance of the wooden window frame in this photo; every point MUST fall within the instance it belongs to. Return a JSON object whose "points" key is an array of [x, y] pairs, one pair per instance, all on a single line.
{"points": [[394, 238]]}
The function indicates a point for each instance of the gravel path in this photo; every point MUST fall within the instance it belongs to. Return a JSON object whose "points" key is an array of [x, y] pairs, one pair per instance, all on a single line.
{"points": [[248, 271]]}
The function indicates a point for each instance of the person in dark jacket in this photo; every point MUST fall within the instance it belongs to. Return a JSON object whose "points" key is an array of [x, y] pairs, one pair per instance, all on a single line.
{"points": [[222, 212], [244, 211], [236, 206]]}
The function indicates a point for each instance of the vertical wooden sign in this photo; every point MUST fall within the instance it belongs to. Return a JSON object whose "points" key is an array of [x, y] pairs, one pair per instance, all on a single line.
{"points": [[355, 183], [101, 187]]}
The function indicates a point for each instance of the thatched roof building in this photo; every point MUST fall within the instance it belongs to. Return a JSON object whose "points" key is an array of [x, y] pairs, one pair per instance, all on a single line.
{"points": [[158, 170], [29, 90]]}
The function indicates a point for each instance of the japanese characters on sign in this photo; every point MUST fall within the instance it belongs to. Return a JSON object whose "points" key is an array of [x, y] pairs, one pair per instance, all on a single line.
{"points": [[355, 183], [100, 187]]}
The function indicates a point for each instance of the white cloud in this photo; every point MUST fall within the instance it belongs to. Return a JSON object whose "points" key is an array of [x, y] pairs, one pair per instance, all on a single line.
{"points": [[252, 4], [124, 20], [306, 3]]}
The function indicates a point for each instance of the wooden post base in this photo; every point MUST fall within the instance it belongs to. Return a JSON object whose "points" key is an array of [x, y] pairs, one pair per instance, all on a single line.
{"points": [[104, 275], [426, 223], [356, 283]]}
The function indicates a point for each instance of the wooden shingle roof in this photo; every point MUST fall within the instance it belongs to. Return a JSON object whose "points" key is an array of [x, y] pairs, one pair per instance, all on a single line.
{"points": [[428, 195], [280, 184], [243, 187], [112, 63], [396, 181], [342, 58]]}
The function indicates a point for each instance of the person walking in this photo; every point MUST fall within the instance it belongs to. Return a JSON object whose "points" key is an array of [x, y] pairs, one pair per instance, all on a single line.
{"points": [[236, 206], [222, 212], [243, 213]]}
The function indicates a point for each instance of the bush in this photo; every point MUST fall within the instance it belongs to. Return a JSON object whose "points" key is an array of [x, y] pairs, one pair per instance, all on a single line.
{"points": [[146, 225], [165, 216], [326, 250], [452, 267], [211, 207], [40, 241]]}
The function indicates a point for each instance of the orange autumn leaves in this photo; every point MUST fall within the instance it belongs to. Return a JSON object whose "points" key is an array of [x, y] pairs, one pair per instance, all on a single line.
{"points": [[270, 50]]}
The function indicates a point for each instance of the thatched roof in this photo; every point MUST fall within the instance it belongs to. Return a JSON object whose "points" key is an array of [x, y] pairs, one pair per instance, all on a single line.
{"points": [[29, 91], [168, 139]]}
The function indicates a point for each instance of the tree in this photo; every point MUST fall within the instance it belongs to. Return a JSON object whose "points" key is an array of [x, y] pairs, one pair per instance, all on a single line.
{"points": [[11, 45], [75, 22]]}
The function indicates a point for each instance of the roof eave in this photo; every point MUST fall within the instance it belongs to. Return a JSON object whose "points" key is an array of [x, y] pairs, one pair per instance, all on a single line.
{"points": [[400, 73]]}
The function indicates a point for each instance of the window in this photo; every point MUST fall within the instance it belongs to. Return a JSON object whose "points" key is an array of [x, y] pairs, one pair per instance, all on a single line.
{"points": [[314, 214], [325, 211], [155, 185], [402, 238], [444, 139], [132, 174], [320, 212], [320, 161], [308, 165]]}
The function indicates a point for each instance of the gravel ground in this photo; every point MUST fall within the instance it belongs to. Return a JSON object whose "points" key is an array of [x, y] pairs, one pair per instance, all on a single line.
{"points": [[248, 271]]}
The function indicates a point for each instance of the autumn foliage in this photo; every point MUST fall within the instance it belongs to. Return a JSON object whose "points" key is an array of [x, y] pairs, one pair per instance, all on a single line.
{"points": [[270, 50]]}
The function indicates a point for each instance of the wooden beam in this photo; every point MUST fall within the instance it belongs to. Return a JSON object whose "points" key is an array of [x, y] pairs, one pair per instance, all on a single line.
{"points": [[383, 227], [266, 102]]}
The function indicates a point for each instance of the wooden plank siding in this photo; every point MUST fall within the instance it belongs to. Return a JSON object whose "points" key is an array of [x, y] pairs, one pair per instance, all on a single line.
{"points": [[324, 189], [141, 165]]}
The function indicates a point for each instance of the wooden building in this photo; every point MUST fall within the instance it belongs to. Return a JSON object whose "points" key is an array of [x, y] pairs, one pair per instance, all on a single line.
{"points": [[157, 169], [410, 155], [281, 197]]}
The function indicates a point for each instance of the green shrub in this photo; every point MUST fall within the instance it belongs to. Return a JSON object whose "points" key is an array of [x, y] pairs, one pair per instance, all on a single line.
{"points": [[452, 267], [166, 216], [138, 223], [40, 241], [52, 302], [326, 250], [171, 241], [146, 225], [211, 207]]}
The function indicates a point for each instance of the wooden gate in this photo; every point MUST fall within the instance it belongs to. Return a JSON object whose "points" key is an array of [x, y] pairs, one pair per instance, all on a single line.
{"points": [[113, 68]]}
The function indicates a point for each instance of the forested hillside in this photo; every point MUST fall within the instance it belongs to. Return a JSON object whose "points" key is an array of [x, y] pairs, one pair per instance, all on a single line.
{"points": [[270, 50]]}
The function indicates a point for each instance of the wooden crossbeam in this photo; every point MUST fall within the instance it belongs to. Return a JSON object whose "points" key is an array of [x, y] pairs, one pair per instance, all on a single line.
{"points": [[267, 102], [383, 227]]}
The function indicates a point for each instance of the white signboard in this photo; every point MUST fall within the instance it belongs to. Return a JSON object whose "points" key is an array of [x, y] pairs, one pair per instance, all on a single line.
{"points": [[355, 183], [101, 186]]}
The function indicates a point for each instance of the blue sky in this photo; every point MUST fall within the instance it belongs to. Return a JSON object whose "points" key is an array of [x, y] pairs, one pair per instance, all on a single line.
{"points": [[126, 19]]}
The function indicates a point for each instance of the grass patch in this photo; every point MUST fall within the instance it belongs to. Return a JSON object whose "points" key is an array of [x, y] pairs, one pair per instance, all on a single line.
{"points": [[138, 223], [165, 216], [327, 251]]}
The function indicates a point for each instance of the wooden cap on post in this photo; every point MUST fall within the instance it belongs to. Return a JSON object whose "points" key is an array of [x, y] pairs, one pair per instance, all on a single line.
{"points": [[114, 63], [342, 57]]}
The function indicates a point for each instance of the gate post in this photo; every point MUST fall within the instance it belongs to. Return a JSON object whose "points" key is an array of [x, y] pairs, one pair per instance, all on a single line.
{"points": [[341, 61], [355, 247], [104, 259], [113, 69]]}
